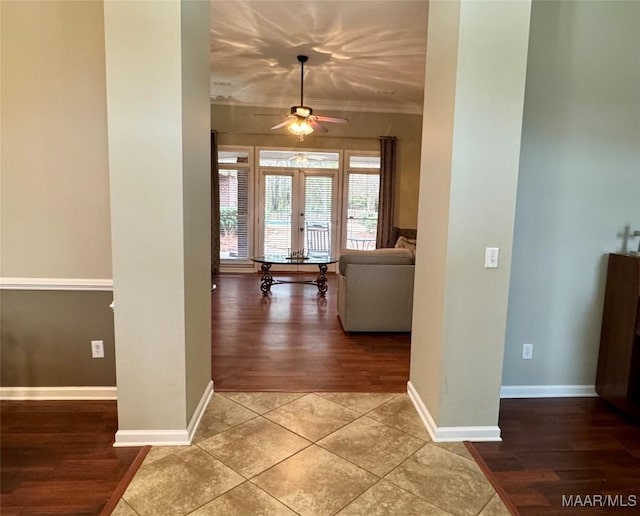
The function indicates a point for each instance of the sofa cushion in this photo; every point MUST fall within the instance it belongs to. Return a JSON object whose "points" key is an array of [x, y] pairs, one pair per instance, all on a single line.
{"points": [[386, 256]]}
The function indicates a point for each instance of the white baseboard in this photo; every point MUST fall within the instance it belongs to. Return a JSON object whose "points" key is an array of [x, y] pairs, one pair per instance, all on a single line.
{"points": [[247, 268], [177, 437], [58, 393], [548, 391], [450, 433], [199, 412], [56, 284], [151, 437]]}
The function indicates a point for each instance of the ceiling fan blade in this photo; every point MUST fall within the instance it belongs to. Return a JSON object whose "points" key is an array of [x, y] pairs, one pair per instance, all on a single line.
{"points": [[317, 127], [281, 124], [331, 119]]}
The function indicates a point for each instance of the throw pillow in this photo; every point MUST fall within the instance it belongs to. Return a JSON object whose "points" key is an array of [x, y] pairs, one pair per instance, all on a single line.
{"points": [[406, 243]]}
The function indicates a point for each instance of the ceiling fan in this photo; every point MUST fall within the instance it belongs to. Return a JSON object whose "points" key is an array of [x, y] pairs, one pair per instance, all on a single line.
{"points": [[301, 121]]}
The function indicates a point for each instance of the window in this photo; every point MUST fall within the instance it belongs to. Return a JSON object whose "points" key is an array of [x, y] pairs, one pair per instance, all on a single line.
{"points": [[299, 159], [362, 192], [234, 167], [320, 201]]}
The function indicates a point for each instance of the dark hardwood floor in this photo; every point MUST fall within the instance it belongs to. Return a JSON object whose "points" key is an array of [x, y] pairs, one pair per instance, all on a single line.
{"points": [[292, 341], [57, 457], [565, 446]]}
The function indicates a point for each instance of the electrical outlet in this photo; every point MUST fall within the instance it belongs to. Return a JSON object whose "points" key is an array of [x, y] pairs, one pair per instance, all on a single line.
{"points": [[491, 257], [527, 351], [97, 349]]}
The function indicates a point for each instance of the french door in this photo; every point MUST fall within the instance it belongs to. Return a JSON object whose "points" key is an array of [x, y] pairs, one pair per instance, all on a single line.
{"points": [[298, 212]]}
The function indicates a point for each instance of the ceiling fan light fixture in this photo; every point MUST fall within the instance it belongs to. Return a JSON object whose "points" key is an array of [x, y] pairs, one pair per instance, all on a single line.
{"points": [[300, 127]]}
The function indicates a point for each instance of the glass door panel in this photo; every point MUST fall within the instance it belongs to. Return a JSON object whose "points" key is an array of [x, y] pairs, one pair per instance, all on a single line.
{"points": [[318, 202], [278, 211]]}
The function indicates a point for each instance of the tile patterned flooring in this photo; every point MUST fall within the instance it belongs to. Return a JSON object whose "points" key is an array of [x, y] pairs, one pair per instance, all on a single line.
{"points": [[310, 454]]}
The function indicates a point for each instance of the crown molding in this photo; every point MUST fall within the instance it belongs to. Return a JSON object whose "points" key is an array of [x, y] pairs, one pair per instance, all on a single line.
{"points": [[402, 108]]}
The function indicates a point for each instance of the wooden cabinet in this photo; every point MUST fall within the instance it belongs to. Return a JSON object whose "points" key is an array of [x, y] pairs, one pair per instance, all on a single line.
{"points": [[618, 379]]}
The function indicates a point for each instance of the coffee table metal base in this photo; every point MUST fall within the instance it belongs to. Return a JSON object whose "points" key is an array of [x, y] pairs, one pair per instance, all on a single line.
{"points": [[268, 280]]}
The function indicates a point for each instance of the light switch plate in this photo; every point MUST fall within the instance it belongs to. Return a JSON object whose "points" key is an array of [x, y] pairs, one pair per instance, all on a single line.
{"points": [[491, 255]]}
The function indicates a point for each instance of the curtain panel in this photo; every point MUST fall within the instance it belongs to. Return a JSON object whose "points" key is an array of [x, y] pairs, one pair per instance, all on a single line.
{"points": [[215, 206], [387, 191]]}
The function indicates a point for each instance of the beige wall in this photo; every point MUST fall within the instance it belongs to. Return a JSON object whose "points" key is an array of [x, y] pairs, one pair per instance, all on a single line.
{"points": [[196, 198], [238, 126], [456, 365], [159, 170], [54, 168], [435, 192], [145, 155]]}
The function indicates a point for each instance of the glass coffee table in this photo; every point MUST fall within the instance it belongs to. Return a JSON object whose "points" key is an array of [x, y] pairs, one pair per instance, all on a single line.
{"points": [[267, 279]]}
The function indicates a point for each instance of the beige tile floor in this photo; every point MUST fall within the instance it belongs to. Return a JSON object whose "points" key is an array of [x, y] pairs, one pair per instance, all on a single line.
{"points": [[310, 454]]}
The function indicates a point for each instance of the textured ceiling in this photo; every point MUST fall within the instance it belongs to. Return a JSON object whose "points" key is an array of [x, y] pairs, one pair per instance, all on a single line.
{"points": [[363, 55]]}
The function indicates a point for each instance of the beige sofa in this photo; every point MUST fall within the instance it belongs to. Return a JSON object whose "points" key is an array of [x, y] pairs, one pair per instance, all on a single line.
{"points": [[375, 290]]}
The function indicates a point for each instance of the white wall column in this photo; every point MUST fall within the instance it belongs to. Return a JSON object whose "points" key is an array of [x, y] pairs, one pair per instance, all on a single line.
{"points": [[474, 94], [157, 62]]}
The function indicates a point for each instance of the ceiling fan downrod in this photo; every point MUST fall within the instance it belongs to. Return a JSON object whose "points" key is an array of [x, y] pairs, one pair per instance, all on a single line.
{"points": [[302, 60]]}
